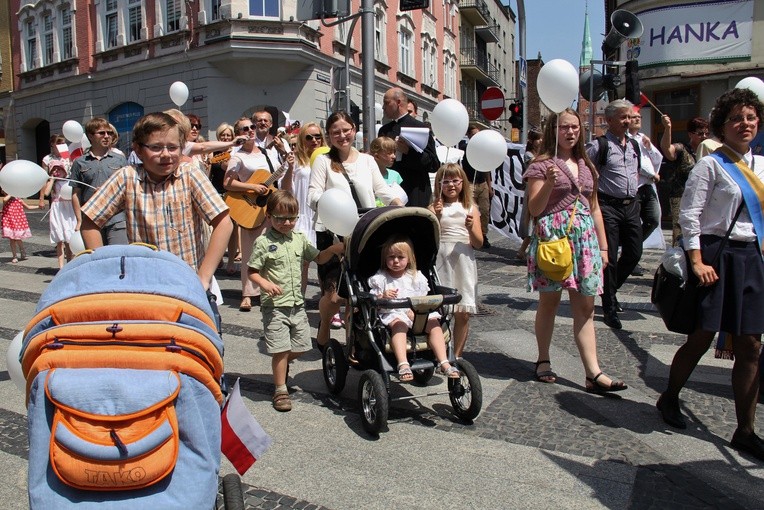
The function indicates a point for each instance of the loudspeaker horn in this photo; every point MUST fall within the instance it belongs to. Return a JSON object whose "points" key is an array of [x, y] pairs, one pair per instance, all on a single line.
{"points": [[624, 25], [585, 86]]}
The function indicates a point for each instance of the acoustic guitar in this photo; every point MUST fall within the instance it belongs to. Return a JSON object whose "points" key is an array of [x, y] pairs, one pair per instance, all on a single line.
{"points": [[247, 208]]}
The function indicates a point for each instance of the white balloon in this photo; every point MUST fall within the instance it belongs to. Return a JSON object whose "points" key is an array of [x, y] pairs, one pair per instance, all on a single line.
{"points": [[486, 150], [754, 84], [21, 178], [85, 142], [449, 121], [378, 113], [179, 93], [76, 243], [337, 211], [72, 130], [557, 84], [14, 364], [66, 191]]}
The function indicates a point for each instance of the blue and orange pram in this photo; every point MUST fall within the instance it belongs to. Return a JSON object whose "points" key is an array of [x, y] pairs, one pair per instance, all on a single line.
{"points": [[123, 363]]}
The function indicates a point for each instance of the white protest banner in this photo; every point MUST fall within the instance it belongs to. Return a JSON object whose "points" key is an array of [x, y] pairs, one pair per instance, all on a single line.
{"points": [[507, 204]]}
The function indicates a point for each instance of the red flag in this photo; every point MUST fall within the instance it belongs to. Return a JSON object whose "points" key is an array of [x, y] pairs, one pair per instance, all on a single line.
{"points": [[643, 101], [243, 439]]}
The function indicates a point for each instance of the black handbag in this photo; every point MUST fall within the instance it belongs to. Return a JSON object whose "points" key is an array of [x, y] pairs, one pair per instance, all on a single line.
{"points": [[677, 300]]}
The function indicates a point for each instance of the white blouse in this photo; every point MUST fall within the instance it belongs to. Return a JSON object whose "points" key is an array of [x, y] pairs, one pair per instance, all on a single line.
{"points": [[367, 181], [710, 200]]}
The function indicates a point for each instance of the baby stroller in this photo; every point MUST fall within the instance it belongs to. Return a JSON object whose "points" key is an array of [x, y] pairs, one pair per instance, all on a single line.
{"points": [[124, 368], [368, 340]]}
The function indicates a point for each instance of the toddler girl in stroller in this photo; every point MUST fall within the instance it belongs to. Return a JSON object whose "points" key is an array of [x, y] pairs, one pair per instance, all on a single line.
{"points": [[398, 278]]}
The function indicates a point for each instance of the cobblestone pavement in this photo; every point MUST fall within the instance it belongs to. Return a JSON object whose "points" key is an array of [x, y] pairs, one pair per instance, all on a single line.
{"points": [[559, 420]]}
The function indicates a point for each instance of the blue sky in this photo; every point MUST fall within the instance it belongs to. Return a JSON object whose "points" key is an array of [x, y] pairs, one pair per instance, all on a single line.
{"points": [[556, 28]]}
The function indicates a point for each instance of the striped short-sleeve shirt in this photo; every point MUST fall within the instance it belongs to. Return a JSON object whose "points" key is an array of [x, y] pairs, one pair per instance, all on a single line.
{"points": [[168, 214]]}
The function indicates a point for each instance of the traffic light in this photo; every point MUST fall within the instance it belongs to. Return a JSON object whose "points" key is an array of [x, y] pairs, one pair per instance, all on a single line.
{"points": [[516, 115], [632, 81]]}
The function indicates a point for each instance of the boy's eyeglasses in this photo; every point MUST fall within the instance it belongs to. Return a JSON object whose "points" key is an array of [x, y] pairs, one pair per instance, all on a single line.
{"points": [[452, 182], [282, 219], [104, 133], [196, 126], [317, 138], [157, 149]]}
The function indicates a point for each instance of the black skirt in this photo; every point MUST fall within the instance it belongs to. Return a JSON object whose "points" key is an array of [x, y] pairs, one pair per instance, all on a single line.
{"points": [[735, 303]]}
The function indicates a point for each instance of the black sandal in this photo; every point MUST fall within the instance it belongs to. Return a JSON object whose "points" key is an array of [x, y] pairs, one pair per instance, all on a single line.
{"points": [[597, 387], [546, 373]]}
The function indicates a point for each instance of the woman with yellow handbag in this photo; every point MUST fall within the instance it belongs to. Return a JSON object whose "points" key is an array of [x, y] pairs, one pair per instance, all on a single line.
{"points": [[568, 242]]}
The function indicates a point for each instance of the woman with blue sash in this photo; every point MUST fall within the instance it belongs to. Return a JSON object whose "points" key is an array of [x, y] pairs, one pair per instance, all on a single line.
{"points": [[721, 186]]}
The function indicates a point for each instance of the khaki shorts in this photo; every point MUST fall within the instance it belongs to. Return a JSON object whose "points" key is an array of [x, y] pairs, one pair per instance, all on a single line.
{"points": [[286, 329]]}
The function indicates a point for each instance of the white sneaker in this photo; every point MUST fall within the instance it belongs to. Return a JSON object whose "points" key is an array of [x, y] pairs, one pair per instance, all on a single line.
{"points": [[337, 322]]}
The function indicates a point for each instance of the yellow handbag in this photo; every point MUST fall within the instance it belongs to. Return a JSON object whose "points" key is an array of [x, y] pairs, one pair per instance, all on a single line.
{"points": [[554, 258]]}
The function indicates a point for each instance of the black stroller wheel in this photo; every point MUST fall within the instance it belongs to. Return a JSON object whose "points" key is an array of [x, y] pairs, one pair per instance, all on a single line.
{"points": [[423, 375], [466, 393], [335, 367], [372, 394], [233, 495]]}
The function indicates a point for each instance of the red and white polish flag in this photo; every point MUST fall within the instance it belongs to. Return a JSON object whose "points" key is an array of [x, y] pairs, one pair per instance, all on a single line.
{"points": [[243, 439]]}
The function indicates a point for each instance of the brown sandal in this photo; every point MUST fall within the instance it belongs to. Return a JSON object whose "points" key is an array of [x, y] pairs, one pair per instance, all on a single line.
{"points": [[282, 402]]}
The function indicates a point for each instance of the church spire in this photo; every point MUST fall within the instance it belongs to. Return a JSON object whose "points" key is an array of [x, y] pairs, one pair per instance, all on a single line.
{"points": [[586, 43]]}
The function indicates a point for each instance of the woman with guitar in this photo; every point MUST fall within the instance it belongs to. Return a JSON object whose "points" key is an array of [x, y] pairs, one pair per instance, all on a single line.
{"points": [[250, 177], [358, 175]]}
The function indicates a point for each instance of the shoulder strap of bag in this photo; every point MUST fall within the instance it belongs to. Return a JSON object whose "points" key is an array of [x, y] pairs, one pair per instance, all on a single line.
{"points": [[572, 215], [726, 236], [603, 150], [352, 188]]}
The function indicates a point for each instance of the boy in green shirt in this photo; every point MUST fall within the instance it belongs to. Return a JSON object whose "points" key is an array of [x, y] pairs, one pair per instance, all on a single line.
{"points": [[276, 267]]}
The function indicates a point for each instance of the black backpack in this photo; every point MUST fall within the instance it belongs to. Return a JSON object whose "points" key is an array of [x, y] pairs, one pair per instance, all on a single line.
{"points": [[604, 147]]}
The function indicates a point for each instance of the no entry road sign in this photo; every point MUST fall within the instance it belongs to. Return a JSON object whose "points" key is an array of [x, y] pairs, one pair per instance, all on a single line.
{"points": [[492, 103]]}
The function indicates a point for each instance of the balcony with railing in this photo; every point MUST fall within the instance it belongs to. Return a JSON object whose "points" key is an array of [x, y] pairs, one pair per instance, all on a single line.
{"points": [[475, 12], [474, 62], [488, 33]]}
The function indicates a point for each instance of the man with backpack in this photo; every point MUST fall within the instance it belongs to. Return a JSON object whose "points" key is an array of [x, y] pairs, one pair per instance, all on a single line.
{"points": [[616, 157]]}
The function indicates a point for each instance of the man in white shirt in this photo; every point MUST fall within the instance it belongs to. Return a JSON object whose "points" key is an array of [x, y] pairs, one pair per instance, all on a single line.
{"points": [[649, 166]]}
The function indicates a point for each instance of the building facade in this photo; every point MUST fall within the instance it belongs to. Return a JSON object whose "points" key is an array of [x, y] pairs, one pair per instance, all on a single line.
{"points": [[486, 56], [690, 53], [76, 59]]}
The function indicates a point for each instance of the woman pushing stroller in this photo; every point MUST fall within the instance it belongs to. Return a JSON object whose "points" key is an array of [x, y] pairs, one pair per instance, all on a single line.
{"points": [[398, 278]]}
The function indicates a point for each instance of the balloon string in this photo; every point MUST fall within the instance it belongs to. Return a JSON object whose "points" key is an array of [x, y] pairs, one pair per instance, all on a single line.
{"points": [[557, 134], [73, 180]]}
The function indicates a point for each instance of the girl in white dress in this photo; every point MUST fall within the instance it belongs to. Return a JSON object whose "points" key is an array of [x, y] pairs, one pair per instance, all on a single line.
{"points": [[460, 234], [399, 278], [62, 219]]}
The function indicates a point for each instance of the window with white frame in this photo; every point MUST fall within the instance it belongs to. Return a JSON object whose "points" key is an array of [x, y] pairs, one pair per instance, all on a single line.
{"points": [[405, 45], [449, 76], [265, 8], [215, 9], [173, 13], [47, 39], [31, 30], [432, 70], [425, 62], [111, 24], [66, 41], [379, 35], [134, 20]]}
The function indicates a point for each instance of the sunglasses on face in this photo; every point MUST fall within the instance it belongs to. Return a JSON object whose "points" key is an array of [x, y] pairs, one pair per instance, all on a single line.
{"points": [[196, 126], [244, 129], [317, 138], [104, 133]]}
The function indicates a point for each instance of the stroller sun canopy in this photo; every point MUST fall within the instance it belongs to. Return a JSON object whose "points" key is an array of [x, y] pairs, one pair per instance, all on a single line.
{"points": [[363, 250]]}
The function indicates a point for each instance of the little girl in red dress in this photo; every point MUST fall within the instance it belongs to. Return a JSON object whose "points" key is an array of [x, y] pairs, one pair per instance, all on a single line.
{"points": [[15, 225]]}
